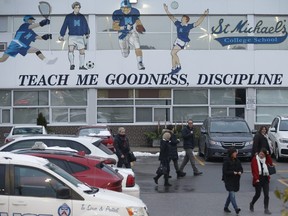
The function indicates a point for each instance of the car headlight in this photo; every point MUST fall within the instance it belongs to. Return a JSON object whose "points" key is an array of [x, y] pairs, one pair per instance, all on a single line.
{"points": [[212, 142], [136, 211], [283, 140], [248, 143]]}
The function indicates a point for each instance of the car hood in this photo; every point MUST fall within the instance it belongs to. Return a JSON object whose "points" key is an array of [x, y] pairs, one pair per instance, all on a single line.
{"points": [[119, 199], [282, 134], [231, 137]]}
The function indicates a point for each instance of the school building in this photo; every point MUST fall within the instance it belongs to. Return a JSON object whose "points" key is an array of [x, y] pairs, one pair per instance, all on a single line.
{"points": [[234, 65]]}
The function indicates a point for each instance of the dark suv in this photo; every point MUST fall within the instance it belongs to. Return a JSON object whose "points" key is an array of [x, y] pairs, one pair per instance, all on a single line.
{"points": [[218, 134]]}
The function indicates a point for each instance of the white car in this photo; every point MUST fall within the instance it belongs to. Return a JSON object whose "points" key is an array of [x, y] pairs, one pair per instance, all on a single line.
{"points": [[33, 186], [278, 134], [21, 130], [88, 145]]}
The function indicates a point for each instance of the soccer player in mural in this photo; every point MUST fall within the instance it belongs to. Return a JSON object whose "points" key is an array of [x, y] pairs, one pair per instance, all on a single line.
{"points": [[182, 40], [125, 20], [24, 37], [78, 34]]}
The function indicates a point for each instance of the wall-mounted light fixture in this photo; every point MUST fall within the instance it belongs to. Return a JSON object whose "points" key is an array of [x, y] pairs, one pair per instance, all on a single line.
{"points": [[133, 1]]}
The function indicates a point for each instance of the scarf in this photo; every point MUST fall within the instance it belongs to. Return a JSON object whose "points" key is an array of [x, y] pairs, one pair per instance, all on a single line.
{"points": [[263, 162]]}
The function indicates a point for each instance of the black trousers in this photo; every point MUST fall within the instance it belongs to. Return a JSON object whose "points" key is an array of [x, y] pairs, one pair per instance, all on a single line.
{"points": [[258, 187]]}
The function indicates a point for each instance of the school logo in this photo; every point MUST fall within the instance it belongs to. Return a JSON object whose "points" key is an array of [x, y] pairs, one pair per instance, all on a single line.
{"points": [[64, 210]]}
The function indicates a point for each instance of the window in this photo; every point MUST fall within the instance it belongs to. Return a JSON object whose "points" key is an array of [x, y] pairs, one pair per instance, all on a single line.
{"points": [[270, 103], [34, 182], [68, 166], [190, 96]]}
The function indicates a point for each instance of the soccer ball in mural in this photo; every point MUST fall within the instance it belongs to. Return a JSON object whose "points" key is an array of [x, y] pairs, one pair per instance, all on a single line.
{"points": [[90, 64]]}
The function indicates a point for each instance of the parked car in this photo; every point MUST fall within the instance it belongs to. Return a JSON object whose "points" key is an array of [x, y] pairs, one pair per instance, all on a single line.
{"points": [[35, 186], [278, 134], [88, 169], [21, 130], [218, 134], [88, 145], [101, 131]]}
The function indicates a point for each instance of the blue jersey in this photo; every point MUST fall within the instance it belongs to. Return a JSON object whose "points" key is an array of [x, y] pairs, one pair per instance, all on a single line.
{"points": [[183, 31], [126, 19], [24, 35], [76, 24]]}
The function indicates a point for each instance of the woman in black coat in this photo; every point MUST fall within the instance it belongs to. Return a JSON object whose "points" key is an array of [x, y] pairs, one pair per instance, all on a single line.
{"points": [[122, 148], [260, 141], [164, 158], [232, 170]]}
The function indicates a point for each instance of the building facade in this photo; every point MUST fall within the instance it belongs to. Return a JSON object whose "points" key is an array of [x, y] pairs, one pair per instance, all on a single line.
{"points": [[234, 65]]}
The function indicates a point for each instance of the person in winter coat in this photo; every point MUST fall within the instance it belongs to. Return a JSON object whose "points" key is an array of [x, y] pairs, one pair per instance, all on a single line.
{"points": [[174, 150], [260, 141], [232, 170], [261, 178], [164, 168], [122, 148], [188, 144]]}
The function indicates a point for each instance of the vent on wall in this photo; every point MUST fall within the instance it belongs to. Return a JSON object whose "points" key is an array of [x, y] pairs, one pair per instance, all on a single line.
{"points": [[3, 46]]}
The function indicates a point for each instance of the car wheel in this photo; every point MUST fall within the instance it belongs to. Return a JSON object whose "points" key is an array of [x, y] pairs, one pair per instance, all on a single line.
{"points": [[277, 156], [206, 154]]}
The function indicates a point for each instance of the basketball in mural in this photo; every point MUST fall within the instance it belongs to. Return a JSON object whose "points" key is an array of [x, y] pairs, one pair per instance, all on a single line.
{"points": [[90, 64]]}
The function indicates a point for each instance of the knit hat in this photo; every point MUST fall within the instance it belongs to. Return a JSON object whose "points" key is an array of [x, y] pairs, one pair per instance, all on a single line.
{"points": [[170, 127]]}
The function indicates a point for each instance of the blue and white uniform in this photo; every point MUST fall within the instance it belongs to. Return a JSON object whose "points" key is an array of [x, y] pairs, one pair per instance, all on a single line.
{"points": [[77, 27], [182, 34], [22, 40], [127, 35]]}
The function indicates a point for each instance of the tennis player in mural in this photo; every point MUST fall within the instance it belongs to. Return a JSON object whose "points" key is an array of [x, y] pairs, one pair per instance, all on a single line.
{"points": [[182, 40], [24, 37], [128, 24], [78, 34]]}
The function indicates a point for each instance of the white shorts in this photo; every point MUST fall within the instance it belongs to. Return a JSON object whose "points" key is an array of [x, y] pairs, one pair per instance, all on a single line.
{"points": [[180, 43], [77, 41], [131, 39]]}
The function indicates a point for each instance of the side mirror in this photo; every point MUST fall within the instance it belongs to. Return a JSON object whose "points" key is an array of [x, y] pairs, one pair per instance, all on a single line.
{"points": [[273, 129], [6, 134], [63, 193], [254, 131]]}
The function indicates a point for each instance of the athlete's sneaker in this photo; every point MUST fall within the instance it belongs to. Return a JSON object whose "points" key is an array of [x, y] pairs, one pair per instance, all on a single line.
{"points": [[173, 71], [82, 68], [141, 66], [72, 67], [51, 61]]}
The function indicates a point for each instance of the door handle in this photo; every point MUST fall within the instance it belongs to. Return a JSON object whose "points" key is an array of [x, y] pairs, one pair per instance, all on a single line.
{"points": [[19, 203]]}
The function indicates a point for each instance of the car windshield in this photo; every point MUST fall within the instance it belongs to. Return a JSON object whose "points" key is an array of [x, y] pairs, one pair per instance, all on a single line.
{"points": [[27, 130], [229, 127], [68, 177], [91, 131], [283, 125]]}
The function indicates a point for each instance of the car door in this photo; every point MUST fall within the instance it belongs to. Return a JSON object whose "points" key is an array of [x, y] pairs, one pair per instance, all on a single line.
{"points": [[203, 135], [34, 193], [4, 185]]}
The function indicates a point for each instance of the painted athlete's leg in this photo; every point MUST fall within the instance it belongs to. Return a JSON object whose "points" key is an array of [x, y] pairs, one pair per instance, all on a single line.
{"points": [[71, 57], [175, 58], [82, 59], [41, 56], [4, 57], [139, 56]]}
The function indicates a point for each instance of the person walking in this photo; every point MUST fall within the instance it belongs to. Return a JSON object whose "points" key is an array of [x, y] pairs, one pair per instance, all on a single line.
{"points": [[188, 145], [164, 167], [261, 178], [173, 153], [122, 148], [260, 141], [232, 170]]}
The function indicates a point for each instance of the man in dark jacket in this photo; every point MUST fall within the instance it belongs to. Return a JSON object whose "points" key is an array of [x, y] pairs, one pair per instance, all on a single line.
{"points": [[188, 144]]}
